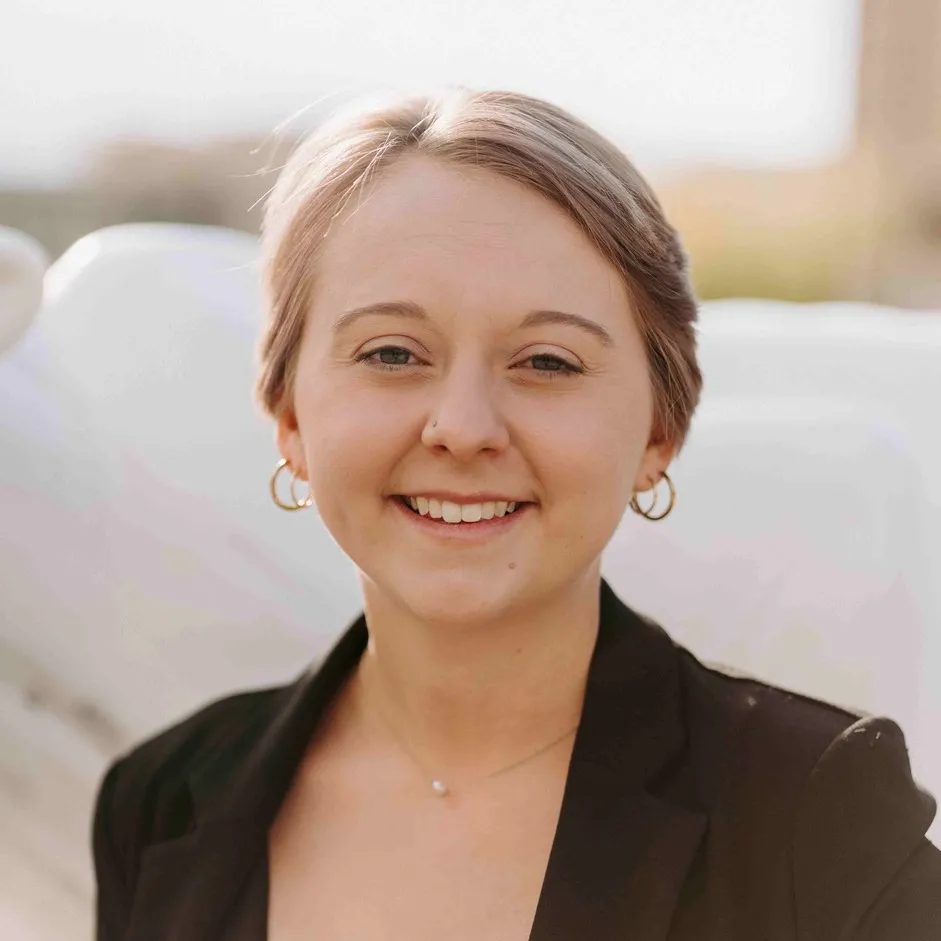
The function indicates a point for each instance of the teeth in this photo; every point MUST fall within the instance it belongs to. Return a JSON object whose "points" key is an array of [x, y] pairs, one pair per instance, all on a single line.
{"points": [[472, 513], [455, 513]]}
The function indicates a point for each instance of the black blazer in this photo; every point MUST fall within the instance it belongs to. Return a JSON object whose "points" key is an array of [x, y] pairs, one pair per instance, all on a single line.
{"points": [[698, 807]]}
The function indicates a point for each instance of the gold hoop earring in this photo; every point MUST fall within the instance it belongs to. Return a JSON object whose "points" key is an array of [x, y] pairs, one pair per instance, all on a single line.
{"points": [[649, 512], [298, 504]]}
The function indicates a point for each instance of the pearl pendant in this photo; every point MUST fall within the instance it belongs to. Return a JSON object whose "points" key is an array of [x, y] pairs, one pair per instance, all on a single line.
{"points": [[440, 788]]}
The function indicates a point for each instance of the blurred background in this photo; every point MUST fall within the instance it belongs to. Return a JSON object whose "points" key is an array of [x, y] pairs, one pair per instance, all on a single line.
{"points": [[797, 147]]}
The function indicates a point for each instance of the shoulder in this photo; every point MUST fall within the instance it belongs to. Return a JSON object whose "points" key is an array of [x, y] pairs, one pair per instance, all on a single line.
{"points": [[141, 798], [138, 785], [861, 859], [769, 728], [821, 793], [187, 743]]}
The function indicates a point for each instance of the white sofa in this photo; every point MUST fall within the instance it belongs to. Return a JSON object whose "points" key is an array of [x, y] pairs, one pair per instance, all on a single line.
{"points": [[23, 262]]}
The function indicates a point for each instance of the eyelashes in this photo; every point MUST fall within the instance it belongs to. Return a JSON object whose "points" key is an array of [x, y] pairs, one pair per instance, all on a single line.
{"points": [[380, 359]]}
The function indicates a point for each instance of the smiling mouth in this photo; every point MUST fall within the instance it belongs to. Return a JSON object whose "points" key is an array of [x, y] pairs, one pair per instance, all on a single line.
{"points": [[453, 514]]}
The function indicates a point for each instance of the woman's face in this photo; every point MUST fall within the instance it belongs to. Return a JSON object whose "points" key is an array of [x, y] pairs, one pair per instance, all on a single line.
{"points": [[467, 344]]}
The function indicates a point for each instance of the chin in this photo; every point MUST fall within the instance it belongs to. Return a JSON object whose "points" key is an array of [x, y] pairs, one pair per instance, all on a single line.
{"points": [[460, 596]]}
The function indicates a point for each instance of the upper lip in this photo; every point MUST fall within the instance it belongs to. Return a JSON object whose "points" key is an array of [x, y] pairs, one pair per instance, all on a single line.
{"points": [[479, 496]]}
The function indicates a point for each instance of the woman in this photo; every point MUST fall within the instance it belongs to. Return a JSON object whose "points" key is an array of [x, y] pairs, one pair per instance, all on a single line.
{"points": [[480, 351]]}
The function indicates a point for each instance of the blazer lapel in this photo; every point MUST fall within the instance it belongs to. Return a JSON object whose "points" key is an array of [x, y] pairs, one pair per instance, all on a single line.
{"points": [[188, 885], [621, 853]]}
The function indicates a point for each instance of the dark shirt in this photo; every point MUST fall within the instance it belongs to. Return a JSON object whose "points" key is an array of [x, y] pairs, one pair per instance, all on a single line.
{"points": [[698, 807]]}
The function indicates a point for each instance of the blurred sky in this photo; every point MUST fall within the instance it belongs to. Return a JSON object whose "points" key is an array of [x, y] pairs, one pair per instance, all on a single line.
{"points": [[673, 81]]}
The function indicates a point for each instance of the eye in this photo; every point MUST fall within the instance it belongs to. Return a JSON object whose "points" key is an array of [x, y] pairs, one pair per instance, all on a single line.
{"points": [[550, 365], [387, 357]]}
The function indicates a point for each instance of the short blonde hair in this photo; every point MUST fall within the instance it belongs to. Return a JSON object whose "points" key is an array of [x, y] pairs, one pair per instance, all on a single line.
{"points": [[518, 137]]}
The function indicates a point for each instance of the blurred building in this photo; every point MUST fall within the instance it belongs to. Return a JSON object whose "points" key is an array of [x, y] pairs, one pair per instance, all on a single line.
{"points": [[899, 135], [867, 227]]}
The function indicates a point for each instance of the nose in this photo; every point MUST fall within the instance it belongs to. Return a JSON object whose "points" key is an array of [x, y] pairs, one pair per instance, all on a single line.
{"points": [[466, 418]]}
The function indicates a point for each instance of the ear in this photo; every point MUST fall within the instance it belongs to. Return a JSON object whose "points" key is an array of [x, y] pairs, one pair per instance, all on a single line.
{"points": [[656, 460], [288, 439]]}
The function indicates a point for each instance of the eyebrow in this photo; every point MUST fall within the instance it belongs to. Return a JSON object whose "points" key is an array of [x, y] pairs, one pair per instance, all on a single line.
{"points": [[413, 311]]}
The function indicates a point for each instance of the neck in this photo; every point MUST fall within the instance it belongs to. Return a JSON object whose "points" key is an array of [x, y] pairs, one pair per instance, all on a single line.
{"points": [[467, 699]]}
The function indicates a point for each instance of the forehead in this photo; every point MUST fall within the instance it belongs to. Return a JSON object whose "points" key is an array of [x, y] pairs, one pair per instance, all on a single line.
{"points": [[437, 233]]}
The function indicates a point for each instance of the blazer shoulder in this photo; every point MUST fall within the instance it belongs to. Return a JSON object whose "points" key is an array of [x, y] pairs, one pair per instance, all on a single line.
{"points": [[825, 792], [771, 728], [140, 797], [861, 858], [751, 749], [139, 783], [185, 743]]}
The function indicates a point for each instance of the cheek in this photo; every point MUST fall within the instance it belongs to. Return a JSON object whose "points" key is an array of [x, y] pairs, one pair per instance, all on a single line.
{"points": [[351, 437], [600, 481], [594, 449]]}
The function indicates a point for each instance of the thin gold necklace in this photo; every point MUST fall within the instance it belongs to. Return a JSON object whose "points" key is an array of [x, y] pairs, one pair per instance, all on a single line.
{"points": [[438, 786]]}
